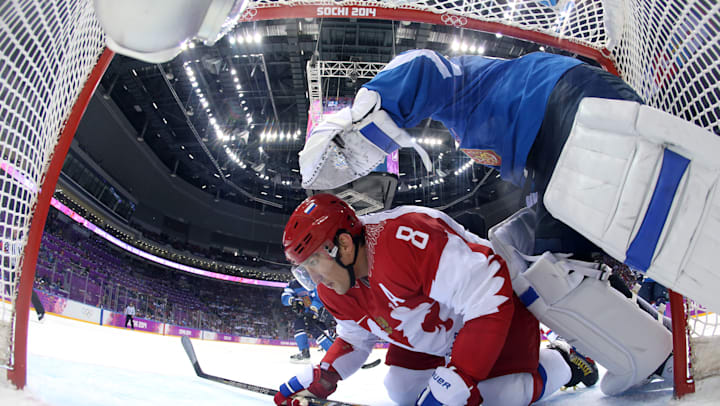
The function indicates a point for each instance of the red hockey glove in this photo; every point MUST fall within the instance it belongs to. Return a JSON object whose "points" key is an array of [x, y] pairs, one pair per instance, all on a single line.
{"points": [[313, 381], [449, 387]]}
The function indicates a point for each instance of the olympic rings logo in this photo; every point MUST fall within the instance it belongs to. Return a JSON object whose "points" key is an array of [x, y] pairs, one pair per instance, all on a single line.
{"points": [[455, 21], [248, 14]]}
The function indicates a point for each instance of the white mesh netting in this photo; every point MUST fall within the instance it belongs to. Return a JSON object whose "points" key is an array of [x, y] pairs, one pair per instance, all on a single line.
{"points": [[669, 53], [704, 340], [574, 21], [47, 49], [667, 50]]}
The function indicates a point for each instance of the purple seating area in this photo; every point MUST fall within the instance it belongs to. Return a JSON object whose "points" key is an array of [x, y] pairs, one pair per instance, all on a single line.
{"points": [[81, 266]]}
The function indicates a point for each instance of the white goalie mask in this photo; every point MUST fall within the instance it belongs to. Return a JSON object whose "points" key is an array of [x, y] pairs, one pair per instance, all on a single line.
{"points": [[341, 150]]}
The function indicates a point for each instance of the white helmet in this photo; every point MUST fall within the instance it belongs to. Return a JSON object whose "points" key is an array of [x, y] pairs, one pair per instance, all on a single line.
{"points": [[154, 30]]}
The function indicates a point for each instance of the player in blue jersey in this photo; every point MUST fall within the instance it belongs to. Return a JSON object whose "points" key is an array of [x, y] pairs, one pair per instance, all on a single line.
{"points": [[513, 115], [308, 308]]}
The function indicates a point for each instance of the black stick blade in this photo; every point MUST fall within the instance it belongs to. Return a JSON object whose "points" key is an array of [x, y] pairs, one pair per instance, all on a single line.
{"points": [[190, 351], [371, 364]]}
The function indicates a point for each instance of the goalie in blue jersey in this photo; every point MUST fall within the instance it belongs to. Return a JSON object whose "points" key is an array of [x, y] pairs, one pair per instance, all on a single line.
{"points": [[512, 115], [610, 172]]}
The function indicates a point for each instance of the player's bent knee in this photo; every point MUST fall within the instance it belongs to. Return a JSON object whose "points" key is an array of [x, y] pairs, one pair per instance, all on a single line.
{"points": [[507, 390], [404, 385]]}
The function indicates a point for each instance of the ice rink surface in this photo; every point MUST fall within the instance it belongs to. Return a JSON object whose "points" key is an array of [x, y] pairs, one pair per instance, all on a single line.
{"points": [[72, 363]]}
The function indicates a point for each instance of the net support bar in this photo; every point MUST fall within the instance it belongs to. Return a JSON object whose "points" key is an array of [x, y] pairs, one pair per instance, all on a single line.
{"points": [[18, 373], [684, 383], [276, 12]]}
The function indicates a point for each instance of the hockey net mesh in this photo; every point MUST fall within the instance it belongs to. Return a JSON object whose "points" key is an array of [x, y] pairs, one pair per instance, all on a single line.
{"points": [[47, 50], [703, 329], [666, 50]]}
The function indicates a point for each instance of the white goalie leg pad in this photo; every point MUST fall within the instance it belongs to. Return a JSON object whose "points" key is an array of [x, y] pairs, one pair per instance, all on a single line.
{"points": [[643, 185], [513, 239], [597, 320], [575, 300]]}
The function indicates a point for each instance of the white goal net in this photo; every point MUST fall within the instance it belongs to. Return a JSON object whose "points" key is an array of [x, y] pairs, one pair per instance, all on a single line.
{"points": [[47, 50], [666, 49]]}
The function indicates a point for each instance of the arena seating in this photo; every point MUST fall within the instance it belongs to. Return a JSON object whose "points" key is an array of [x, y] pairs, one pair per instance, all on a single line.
{"points": [[81, 266]]}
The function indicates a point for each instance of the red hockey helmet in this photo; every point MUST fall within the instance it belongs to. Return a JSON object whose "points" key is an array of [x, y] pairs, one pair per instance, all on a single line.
{"points": [[316, 221]]}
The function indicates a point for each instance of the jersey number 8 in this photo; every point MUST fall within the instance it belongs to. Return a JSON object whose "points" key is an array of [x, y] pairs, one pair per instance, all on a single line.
{"points": [[417, 238]]}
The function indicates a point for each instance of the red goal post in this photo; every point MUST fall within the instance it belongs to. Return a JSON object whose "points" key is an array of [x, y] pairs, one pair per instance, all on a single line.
{"points": [[51, 59]]}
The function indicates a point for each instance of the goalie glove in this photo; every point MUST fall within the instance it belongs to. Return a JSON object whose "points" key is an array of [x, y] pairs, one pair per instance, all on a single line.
{"points": [[351, 143], [449, 387], [313, 381]]}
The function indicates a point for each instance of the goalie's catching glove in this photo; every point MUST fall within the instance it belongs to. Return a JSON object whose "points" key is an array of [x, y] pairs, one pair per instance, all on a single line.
{"points": [[313, 381], [449, 387], [351, 143]]}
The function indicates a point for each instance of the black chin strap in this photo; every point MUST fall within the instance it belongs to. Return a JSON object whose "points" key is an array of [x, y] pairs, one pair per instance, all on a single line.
{"points": [[349, 267]]}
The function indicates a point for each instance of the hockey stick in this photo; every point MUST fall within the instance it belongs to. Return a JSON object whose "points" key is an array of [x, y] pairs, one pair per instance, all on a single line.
{"points": [[190, 351], [371, 364]]}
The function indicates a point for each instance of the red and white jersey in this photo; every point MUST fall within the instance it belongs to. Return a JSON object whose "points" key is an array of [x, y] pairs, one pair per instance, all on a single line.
{"points": [[428, 277]]}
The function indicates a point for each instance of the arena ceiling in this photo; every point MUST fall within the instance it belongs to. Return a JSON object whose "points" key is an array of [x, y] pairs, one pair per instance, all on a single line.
{"points": [[207, 114]]}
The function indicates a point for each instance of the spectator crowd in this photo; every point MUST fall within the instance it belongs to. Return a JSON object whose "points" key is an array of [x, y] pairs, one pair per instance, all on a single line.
{"points": [[75, 263]]}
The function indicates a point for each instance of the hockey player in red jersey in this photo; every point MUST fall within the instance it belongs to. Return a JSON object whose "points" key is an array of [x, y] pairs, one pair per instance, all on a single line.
{"points": [[437, 293]]}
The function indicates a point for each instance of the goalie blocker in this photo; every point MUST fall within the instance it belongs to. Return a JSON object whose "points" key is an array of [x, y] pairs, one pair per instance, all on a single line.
{"points": [[643, 185], [575, 300]]}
